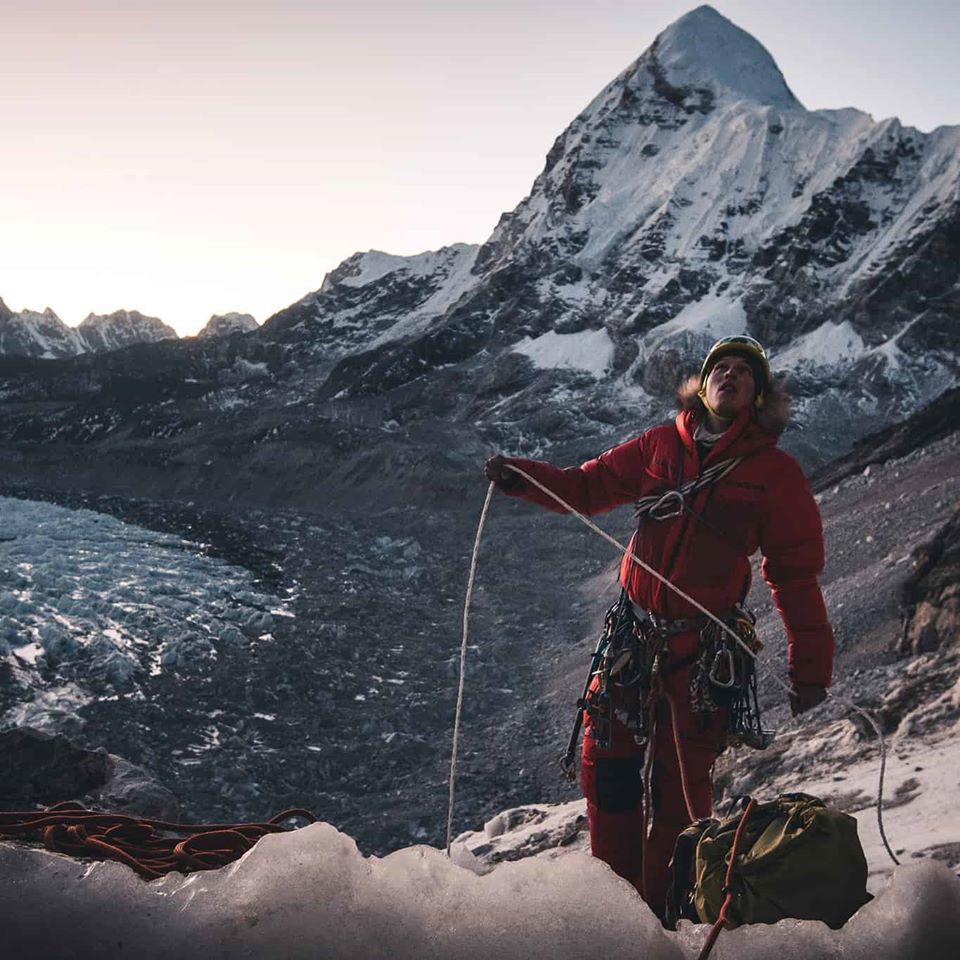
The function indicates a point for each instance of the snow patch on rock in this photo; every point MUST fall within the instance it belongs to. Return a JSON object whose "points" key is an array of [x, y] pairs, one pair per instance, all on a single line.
{"points": [[590, 350], [832, 344]]}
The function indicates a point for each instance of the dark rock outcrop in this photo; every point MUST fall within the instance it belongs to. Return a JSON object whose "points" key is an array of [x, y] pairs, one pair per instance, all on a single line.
{"points": [[932, 422], [42, 769], [931, 594]]}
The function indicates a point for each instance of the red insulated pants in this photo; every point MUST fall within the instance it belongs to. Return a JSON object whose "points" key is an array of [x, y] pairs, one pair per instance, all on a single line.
{"points": [[612, 780]]}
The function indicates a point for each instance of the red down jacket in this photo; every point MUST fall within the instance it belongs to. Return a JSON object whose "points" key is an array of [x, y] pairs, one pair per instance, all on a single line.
{"points": [[764, 503]]}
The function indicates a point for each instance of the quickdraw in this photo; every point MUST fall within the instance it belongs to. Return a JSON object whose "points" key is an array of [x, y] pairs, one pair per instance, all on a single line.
{"points": [[725, 677], [663, 506]]}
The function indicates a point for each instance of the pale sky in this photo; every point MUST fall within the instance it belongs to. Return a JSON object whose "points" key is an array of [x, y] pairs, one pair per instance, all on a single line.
{"points": [[189, 158]]}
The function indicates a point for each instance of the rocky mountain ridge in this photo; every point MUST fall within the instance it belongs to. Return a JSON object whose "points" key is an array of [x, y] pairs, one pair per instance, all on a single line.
{"points": [[45, 335], [693, 198]]}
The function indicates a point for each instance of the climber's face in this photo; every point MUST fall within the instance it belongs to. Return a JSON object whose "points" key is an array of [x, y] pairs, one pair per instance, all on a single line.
{"points": [[730, 386]]}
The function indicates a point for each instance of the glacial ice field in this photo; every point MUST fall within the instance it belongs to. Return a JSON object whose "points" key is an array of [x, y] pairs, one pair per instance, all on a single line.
{"points": [[99, 605]]}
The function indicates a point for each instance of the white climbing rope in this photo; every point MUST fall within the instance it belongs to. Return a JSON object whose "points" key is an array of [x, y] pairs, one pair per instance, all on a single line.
{"points": [[463, 667], [654, 573]]}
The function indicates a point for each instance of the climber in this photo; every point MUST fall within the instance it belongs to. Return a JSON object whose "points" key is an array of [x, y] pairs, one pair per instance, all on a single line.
{"points": [[732, 413]]}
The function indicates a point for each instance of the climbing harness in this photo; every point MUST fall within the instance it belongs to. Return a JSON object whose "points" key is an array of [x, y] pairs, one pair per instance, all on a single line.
{"points": [[723, 627], [629, 655], [150, 847]]}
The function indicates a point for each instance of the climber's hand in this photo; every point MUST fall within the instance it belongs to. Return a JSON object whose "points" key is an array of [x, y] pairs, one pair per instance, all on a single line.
{"points": [[496, 470]]}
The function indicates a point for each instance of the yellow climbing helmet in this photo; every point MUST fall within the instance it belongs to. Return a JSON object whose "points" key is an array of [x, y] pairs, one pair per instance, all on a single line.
{"points": [[748, 348]]}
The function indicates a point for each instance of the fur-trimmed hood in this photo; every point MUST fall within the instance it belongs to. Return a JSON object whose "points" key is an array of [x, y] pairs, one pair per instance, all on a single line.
{"points": [[772, 417]]}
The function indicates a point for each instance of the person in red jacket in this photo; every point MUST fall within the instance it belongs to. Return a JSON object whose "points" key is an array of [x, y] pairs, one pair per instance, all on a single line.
{"points": [[732, 415]]}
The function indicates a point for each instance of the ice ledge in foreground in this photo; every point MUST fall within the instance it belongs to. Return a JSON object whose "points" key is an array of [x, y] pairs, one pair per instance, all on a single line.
{"points": [[311, 894]]}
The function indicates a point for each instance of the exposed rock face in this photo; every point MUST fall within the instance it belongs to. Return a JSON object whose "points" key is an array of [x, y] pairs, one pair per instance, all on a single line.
{"points": [[228, 324], [40, 768], [931, 595]]}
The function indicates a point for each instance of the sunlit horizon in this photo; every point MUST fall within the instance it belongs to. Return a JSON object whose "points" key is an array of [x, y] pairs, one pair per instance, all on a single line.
{"points": [[191, 159]]}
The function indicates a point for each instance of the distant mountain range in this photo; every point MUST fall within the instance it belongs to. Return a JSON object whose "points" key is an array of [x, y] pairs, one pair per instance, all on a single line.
{"points": [[693, 198], [45, 335]]}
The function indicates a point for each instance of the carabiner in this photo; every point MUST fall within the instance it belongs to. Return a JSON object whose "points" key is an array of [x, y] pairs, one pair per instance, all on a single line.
{"points": [[671, 504], [725, 654]]}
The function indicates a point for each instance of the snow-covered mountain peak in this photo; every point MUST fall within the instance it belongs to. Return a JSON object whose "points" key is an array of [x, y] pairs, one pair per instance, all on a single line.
{"points": [[364, 268], [40, 315], [30, 333], [117, 317], [703, 49]]}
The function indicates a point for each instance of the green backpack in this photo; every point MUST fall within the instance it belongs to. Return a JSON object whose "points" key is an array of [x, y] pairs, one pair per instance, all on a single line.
{"points": [[797, 858]]}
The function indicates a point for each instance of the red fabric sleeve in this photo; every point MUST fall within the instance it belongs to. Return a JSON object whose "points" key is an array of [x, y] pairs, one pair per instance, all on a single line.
{"points": [[607, 481], [791, 541]]}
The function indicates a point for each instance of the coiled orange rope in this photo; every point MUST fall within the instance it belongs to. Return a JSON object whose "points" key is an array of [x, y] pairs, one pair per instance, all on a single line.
{"points": [[150, 847]]}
